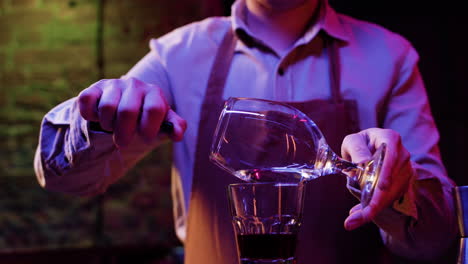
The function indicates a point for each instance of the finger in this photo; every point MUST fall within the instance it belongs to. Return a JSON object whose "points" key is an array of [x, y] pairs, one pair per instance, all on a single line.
{"points": [[355, 220], [360, 216], [355, 148], [393, 182], [393, 154], [378, 202], [128, 111], [88, 100], [355, 208], [389, 166], [152, 115], [381, 197], [180, 125], [108, 104], [389, 186]]}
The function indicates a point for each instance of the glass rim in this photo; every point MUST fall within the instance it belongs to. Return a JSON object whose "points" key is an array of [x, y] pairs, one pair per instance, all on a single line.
{"points": [[278, 184]]}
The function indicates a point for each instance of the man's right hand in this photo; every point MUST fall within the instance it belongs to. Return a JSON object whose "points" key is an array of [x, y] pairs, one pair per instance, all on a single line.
{"points": [[129, 107]]}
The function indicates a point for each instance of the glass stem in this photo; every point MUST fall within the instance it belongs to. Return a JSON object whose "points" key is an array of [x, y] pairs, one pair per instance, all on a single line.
{"points": [[330, 163]]}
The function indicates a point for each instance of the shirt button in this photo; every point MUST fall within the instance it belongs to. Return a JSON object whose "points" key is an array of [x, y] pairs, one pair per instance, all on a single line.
{"points": [[281, 71]]}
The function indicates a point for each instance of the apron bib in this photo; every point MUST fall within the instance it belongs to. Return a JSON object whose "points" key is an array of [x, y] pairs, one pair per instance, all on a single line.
{"points": [[322, 237]]}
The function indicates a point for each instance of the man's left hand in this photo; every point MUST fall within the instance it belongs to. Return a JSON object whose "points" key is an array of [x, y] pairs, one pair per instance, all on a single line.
{"points": [[395, 175]]}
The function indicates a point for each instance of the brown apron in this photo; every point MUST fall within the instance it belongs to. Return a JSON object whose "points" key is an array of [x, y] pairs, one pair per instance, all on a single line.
{"points": [[322, 238]]}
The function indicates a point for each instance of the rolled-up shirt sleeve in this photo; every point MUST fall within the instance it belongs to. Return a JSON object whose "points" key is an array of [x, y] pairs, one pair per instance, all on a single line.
{"points": [[64, 142], [71, 158], [422, 224]]}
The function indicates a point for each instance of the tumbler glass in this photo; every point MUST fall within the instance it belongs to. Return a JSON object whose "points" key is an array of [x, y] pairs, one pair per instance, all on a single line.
{"points": [[266, 218]]}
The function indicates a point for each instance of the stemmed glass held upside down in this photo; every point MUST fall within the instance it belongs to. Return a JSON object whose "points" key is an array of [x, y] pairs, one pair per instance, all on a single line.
{"points": [[266, 141]]}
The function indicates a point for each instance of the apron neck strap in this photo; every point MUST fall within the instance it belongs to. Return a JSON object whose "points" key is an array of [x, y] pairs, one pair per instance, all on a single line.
{"points": [[334, 69], [221, 67]]}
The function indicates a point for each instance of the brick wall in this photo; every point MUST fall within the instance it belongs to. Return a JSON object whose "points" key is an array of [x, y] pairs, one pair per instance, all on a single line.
{"points": [[48, 53]]}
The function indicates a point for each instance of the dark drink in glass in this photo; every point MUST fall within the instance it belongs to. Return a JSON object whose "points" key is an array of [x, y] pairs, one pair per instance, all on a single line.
{"points": [[266, 218], [266, 247]]}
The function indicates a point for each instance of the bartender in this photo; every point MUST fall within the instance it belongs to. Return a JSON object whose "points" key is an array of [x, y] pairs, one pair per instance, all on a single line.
{"points": [[358, 81]]}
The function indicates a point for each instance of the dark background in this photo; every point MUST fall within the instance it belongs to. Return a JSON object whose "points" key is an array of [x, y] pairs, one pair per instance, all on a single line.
{"points": [[52, 49], [438, 32]]}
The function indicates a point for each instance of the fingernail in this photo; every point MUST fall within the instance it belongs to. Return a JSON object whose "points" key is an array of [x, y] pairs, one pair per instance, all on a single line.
{"points": [[355, 209], [353, 222]]}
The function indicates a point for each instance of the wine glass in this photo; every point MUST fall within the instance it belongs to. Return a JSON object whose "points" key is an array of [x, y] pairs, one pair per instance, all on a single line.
{"points": [[260, 140]]}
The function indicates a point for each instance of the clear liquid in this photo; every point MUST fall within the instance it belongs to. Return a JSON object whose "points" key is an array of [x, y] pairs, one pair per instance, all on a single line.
{"points": [[278, 174]]}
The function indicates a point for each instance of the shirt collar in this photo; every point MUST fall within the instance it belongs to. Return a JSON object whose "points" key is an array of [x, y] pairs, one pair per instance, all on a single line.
{"points": [[328, 21], [332, 24]]}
